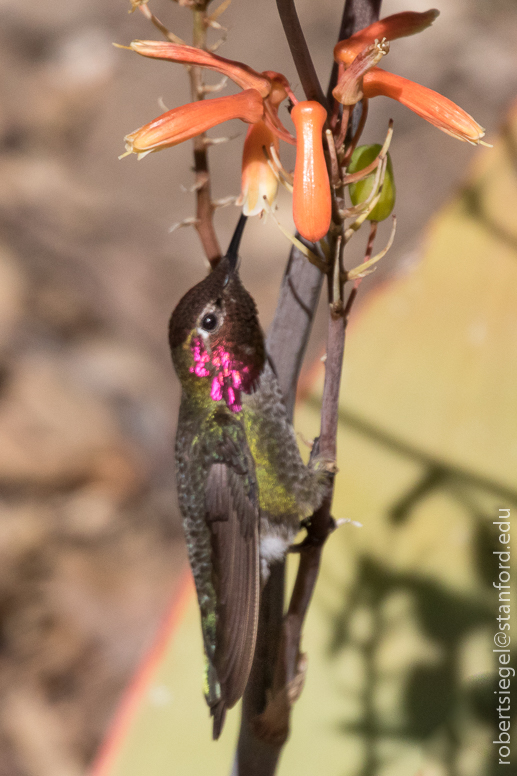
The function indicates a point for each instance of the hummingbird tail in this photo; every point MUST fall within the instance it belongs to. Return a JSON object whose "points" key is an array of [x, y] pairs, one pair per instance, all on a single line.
{"points": [[219, 714], [232, 254]]}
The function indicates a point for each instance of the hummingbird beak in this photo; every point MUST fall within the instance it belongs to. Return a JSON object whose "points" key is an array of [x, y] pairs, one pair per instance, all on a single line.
{"points": [[232, 254]]}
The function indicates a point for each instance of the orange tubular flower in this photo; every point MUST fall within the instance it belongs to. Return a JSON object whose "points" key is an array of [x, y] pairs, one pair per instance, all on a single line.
{"points": [[189, 120], [257, 105], [433, 107], [240, 73], [312, 204], [399, 25], [430, 105], [271, 87], [259, 182]]}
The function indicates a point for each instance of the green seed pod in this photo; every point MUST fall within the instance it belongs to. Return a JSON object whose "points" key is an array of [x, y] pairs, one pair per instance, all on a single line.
{"points": [[361, 158]]}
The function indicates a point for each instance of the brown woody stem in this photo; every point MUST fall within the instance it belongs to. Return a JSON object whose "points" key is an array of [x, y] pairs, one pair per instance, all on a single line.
{"points": [[259, 747], [204, 206]]}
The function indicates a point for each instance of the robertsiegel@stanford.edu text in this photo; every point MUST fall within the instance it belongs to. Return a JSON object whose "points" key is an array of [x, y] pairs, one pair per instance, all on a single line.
{"points": [[502, 639]]}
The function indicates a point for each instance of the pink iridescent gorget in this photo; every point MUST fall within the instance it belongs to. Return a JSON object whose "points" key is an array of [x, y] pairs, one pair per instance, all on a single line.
{"points": [[229, 377]]}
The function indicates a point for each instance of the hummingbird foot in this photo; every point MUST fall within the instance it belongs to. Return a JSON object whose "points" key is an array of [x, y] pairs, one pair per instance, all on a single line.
{"points": [[310, 540], [321, 463]]}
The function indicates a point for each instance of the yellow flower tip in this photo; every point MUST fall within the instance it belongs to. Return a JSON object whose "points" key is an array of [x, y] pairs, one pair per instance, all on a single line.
{"points": [[312, 203], [472, 133], [259, 182], [119, 45], [399, 25]]}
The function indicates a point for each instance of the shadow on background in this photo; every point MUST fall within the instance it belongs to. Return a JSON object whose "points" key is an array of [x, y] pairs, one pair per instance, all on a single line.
{"points": [[436, 705]]}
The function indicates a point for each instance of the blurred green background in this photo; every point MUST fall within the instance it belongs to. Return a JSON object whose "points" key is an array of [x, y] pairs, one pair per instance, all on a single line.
{"points": [[399, 637]]}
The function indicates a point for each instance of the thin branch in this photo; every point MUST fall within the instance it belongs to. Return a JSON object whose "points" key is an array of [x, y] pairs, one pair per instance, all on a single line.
{"points": [[159, 25], [289, 333], [300, 52], [353, 293], [204, 206], [359, 126]]}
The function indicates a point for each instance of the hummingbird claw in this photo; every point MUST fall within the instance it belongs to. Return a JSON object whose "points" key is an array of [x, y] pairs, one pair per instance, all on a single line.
{"points": [[310, 540], [343, 520]]}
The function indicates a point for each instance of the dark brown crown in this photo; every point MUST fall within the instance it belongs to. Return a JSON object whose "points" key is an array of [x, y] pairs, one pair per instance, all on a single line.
{"points": [[240, 332], [189, 308]]}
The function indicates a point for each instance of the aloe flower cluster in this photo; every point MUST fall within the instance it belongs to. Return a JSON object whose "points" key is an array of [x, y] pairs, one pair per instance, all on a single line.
{"points": [[258, 103]]}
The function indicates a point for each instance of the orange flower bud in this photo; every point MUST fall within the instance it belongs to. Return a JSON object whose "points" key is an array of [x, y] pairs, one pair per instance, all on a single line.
{"points": [[189, 120], [244, 76], [430, 105], [259, 182], [399, 25], [312, 204]]}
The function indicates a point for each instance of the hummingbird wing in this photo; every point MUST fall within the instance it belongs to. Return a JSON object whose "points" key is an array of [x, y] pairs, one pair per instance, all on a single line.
{"points": [[232, 514]]}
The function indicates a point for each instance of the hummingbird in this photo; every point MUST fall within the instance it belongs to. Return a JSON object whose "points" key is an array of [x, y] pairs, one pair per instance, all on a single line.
{"points": [[242, 485]]}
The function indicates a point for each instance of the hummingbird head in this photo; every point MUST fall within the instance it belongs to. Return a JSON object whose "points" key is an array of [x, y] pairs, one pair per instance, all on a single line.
{"points": [[216, 341]]}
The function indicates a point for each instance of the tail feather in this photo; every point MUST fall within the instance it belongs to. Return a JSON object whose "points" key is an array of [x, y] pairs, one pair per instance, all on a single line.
{"points": [[219, 714]]}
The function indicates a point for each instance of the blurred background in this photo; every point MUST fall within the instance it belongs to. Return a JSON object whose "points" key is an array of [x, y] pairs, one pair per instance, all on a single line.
{"points": [[91, 550]]}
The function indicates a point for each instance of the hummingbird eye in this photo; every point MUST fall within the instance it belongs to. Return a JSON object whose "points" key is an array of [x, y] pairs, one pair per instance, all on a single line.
{"points": [[209, 322]]}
